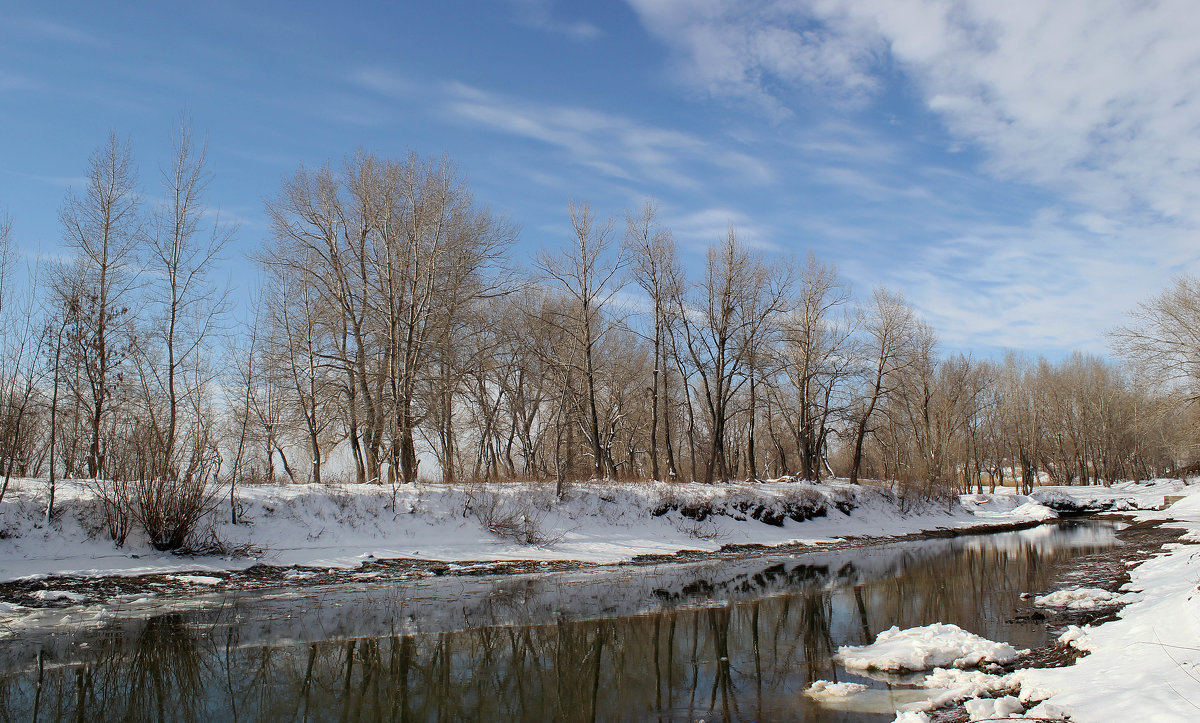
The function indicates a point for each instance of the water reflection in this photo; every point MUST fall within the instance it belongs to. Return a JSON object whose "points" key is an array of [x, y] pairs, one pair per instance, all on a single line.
{"points": [[720, 641]]}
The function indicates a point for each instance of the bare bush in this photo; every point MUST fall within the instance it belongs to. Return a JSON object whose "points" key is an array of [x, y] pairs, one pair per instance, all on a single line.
{"points": [[513, 517], [169, 510], [114, 497]]}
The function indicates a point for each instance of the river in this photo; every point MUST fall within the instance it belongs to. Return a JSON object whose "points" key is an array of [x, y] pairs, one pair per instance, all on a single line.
{"points": [[722, 639]]}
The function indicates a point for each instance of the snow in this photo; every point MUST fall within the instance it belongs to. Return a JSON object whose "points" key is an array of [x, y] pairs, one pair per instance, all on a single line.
{"points": [[1078, 598], [1144, 665], [825, 689], [938, 645], [197, 579], [1075, 637], [911, 716], [1001, 507], [991, 708], [58, 595], [340, 527]]}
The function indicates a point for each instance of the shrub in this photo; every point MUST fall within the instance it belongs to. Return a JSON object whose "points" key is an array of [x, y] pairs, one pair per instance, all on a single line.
{"points": [[168, 510]]}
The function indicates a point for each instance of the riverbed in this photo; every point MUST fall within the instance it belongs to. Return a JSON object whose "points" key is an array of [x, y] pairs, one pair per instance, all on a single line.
{"points": [[719, 639]]}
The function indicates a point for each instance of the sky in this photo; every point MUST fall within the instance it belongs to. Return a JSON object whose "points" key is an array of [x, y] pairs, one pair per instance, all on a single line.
{"points": [[1024, 172]]}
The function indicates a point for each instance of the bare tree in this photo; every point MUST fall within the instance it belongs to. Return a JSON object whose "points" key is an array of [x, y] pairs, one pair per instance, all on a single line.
{"points": [[187, 304], [730, 312], [102, 225], [1163, 336], [817, 358], [589, 278], [887, 325], [395, 252], [20, 370], [652, 249]]}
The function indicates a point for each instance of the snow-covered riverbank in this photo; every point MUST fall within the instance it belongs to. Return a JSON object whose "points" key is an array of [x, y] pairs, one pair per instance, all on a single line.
{"points": [[1140, 662], [341, 527], [1141, 666]]}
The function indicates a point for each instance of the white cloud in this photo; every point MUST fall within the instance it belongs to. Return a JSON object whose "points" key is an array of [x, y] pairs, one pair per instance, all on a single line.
{"points": [[611, 144], [539, 15], [1097, 101], [382, 81], [701, 229], [50, 30]]}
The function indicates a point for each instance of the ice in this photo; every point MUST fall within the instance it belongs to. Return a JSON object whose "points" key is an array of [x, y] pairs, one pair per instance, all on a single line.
{"points": [[992, 708], [197, 579], [826, 689], [940, 645], [1075, 637], [58, 596], [1079, 598]]}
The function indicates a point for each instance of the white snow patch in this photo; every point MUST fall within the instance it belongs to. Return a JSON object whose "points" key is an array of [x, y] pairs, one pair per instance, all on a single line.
{"points": [[1004, 507], [992, 708], [922, 648], [1076, 637], [1077, 598], [1047, 711], [826, 689], [58, 596], [197, 579]]}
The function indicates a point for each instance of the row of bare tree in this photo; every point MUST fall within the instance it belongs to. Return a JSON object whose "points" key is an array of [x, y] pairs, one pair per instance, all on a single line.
{"points": [[392, 329]]}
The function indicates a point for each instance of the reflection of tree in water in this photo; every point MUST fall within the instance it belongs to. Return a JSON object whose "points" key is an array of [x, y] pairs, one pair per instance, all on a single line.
{"points": [[153, 672], [741, 657]]}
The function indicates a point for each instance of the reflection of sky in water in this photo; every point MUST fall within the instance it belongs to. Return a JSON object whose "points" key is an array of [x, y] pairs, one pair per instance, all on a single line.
{"points": [[734, 638]]}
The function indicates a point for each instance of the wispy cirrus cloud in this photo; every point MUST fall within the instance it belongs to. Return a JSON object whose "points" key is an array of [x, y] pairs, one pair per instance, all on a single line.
{"points": [[611, 144], [15, 81], [53, 30], [540, 15]]}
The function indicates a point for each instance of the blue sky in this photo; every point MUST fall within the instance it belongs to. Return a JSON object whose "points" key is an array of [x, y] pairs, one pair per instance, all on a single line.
{"points": [[1024, 172]]}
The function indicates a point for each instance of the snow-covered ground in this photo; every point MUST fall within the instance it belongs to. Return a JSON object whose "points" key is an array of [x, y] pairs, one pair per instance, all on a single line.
{"points": [[1145, 665], [343, 526]]}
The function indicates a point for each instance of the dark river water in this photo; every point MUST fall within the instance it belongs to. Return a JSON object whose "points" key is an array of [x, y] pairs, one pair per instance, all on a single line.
{"points": [[713, 641]]}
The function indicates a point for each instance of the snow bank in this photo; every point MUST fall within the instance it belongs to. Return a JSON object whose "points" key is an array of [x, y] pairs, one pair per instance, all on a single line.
{"points": [[1078, 598], [343, 526], [58, 596], [940, 645], [1007, 507], [1141, 666], [1120, 497]]}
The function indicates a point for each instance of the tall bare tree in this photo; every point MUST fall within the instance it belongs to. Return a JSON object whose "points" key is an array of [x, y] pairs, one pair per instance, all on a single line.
{"points": [[589, 277], [102, 224], [887, 325], [728, 313], [817, 360], [652, 249], [187, 305]]}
